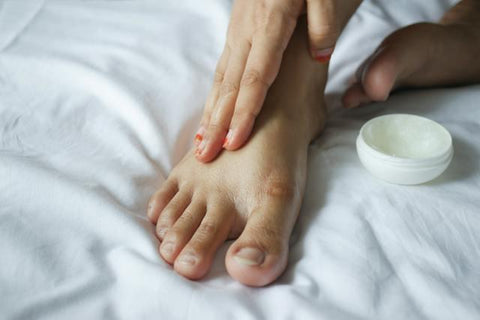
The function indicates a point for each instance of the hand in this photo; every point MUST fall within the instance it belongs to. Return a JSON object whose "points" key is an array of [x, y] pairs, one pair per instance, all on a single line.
{"points": [[257, 36]]}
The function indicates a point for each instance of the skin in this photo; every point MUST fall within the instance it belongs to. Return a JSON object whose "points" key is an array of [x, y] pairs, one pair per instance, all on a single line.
{"points": [[422, 55], [258, 34], [252, 195]]}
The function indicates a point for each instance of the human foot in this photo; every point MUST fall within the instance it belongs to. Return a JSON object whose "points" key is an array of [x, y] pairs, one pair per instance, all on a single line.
{"points": [[253, 194], [422, 55], [257, 36]]}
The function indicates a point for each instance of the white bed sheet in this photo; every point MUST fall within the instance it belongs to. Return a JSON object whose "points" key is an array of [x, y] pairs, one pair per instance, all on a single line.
{"points": [[100, 99]]}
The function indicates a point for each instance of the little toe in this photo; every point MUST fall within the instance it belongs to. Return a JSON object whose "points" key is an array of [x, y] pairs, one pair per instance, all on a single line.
{"points": [[259, 255], [182, 230], [171, 212], [160, 199], [196, 258]]}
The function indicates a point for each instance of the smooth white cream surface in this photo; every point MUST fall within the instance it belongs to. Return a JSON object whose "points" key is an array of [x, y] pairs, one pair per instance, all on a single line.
{"points": [[406, 136]]}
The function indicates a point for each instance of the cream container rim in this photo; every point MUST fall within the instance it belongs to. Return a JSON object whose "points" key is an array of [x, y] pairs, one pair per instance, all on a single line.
{"points": [[435, 159]]}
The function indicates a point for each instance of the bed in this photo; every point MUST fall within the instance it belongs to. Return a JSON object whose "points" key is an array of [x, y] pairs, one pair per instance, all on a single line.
{"points": [[98, 102]]}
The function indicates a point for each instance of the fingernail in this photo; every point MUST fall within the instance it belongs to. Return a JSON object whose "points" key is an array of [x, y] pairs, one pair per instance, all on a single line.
{"points": [[250, 256], [187, 259], [200, 147], [167, 248], [199, 135], [228, 138], [323, 55]]}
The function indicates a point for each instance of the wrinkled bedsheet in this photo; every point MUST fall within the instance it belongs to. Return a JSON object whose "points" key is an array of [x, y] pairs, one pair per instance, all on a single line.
{"points": [[100, 99]]}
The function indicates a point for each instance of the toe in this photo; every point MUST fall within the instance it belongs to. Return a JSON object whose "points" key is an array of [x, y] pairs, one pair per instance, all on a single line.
{"points": [[260, 254], [196, 258], [171, 212], [160, 199], [182, 230]]}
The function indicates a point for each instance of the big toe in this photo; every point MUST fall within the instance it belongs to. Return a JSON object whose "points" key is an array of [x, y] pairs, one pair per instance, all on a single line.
{"points": [[260, 254]]}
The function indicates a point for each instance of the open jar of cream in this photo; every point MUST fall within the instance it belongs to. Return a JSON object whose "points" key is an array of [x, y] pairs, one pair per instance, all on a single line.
{"points": [[404, 149]]}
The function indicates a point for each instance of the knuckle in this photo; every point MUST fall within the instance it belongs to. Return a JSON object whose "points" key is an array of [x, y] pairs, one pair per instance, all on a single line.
{"points": [[246, 114], [168, 212], [253, 78], [206, 230], [216, 126], [173, 235], [324, 33], [218, 77], [270, 235], [165, 219], [228, 88], [161, 229], [276, 23], [186, 219]]}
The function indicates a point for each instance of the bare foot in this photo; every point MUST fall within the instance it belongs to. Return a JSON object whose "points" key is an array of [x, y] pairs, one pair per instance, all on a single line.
{"points": [[253, 194], [423, 55]]}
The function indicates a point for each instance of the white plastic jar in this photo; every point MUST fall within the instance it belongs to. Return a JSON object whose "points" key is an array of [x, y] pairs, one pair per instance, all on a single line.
{"points": [[404, 149]]}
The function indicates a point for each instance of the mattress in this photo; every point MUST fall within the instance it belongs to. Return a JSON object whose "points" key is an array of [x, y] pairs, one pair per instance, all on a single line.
{"points": [[98, 102]]}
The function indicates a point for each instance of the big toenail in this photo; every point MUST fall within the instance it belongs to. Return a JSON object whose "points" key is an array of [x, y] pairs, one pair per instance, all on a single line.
{"points": [[250, 256], [187, 259], [167, 248]]}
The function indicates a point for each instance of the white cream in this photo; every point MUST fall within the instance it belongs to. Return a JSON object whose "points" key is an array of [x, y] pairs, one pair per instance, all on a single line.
{"points": [[404, 149]]}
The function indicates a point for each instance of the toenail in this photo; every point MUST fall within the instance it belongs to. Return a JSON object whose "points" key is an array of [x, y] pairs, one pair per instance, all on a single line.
{"points": [[250, 256], [187, 259], [167, 248]]}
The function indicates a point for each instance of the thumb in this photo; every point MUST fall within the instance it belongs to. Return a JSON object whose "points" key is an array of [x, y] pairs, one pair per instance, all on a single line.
{"points": [[323, 28]]}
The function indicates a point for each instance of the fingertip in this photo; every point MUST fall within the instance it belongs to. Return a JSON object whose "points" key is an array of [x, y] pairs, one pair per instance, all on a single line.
{"points": [[199, 136], [227, 139], [322, 55], [238, 136], [354, 97], [208, 150]]}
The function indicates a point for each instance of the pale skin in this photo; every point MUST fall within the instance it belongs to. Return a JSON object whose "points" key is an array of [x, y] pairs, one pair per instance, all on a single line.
{"points": [[253, 195], [257, 37]]}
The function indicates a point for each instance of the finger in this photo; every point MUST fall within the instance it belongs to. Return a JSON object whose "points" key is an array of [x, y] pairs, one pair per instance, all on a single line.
{"points": [[261, 70], [323, 28], [355, 96], [213, 96], [222, 113]]}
